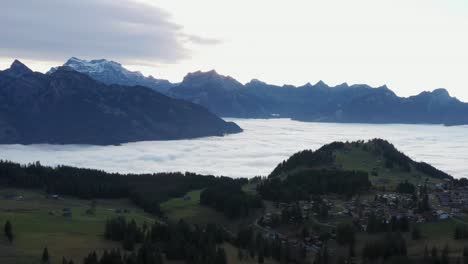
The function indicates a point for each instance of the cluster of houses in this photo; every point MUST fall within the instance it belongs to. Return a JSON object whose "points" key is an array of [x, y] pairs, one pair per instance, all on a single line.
{"points": [[390, 205], [291, 211], [309, 243], [15, 197], [451, 202], [121, 211], [456, 199], [294, 212], [66, 212]]}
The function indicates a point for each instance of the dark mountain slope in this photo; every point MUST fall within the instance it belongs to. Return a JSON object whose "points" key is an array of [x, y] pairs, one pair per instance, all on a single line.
{"points": [[320, 102], [222, 95], [68, 107]]}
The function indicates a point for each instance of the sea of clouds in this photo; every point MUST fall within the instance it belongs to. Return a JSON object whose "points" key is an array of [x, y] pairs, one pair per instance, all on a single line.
{"points": [[256, 151]]}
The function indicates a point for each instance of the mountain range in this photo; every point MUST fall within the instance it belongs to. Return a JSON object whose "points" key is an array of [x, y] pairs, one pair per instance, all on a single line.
{"points": [[68, 107], [227, 97]]}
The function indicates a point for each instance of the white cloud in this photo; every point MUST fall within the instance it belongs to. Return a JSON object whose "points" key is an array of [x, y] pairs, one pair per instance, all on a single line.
{"points": [[123, 30]]}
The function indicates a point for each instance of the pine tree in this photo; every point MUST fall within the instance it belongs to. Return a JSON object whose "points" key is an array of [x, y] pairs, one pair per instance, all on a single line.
{"points": [[45, 257], [240, 254], [426, 254], [352, 252], [416, 233], [261, 259], [434, 254], [221, 256], [445, 255], [9, 231]]}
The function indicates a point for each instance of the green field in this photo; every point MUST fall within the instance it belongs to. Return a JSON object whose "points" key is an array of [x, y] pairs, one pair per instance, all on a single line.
{"points": [[191, 211], [38, 222], [359, 159]]}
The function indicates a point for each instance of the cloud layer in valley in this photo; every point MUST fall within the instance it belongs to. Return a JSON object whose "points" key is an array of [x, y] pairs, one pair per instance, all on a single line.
{"points": [[123, 30], [256, 151]]}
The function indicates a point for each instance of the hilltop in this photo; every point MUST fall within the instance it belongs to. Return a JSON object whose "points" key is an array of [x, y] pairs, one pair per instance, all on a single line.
{"points": [[385, 164]]}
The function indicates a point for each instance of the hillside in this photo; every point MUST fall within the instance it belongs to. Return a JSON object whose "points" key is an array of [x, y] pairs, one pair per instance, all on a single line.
{"points": [[384, 164], [67, 107]]}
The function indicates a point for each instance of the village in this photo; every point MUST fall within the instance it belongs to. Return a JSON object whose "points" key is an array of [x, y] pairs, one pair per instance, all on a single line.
{"points": [[443, 201]]}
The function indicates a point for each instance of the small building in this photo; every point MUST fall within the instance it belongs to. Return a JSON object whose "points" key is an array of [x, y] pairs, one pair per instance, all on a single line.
{"points": [[67, 214], [442, 215]]}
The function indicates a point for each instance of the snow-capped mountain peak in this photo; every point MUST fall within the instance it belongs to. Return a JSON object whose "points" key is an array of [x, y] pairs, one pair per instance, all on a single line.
{"points": [[111, 72]]}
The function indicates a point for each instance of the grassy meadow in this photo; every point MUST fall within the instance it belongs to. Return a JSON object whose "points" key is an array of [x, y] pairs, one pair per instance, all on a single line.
{"points": [[38, 222]]}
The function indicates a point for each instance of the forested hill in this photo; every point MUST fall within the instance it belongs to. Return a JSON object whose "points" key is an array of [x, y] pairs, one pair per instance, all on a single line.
{"points": [[371, 156], [145, 190]]}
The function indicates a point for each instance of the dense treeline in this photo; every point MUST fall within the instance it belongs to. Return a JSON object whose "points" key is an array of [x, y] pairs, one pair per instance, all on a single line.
{"points": [[406, 187], [227, 196], [389, 245], [345, 234], [378, 223], [308, 159], [301, 185], [177, 241], [146, 254], [431, 171], [392, 156], [83, 183], [254, 245], [193, 244], [146, 190], [462, 182], [118, 229], [460, 232]]}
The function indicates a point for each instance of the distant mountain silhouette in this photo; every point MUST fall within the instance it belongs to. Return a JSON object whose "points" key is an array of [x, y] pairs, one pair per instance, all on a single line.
{"points": [[223, 95], [319, 102], [226, 97], [111, 72], [68, 107]]}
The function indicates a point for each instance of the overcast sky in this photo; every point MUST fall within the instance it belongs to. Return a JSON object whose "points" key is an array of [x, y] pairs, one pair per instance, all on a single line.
{"points": [[410, 45]]}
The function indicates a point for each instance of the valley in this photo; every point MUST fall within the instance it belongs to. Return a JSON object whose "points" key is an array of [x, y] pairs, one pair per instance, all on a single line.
{"points": [[403, 199]]}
